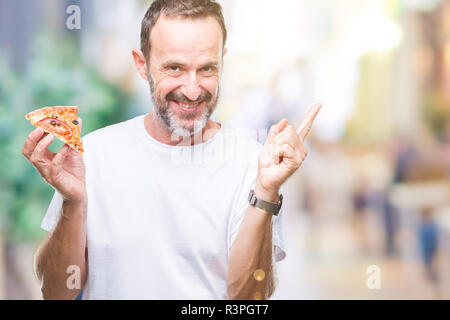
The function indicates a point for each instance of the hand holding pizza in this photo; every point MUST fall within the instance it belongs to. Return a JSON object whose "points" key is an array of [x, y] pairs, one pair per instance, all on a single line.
{"points": [[282, 154], [65, 170]]}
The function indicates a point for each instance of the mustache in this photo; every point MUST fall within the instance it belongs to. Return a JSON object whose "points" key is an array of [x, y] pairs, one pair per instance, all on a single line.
{"points": [[180, 97]]}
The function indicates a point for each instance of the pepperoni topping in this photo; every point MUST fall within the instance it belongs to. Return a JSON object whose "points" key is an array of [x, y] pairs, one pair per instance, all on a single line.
{"points": [[59, 127]]}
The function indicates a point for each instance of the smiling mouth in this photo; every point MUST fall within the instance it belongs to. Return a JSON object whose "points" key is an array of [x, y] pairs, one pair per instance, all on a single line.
{"points": [[187, 107]]}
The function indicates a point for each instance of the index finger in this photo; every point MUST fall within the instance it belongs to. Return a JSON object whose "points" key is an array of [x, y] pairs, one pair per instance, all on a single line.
{"points": [[305, 126], [33, 139]]}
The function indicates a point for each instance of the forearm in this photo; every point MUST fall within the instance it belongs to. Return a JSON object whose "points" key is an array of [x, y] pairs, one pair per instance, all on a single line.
{"points": [[64, 247], [282, 154], [252, 250]]}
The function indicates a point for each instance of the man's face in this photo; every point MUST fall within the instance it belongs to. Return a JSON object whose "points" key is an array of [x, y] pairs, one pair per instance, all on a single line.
{"points": [[185, 66]]}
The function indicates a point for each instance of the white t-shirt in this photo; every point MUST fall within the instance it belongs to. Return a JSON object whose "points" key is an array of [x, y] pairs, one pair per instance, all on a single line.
{"points": [[162, 219]]}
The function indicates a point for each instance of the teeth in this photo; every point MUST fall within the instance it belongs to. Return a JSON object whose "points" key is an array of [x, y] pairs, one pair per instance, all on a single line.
{"points": [[188, 106]]}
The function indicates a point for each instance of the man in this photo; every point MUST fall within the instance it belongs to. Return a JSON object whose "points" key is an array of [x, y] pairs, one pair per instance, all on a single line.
{"points": [[158, 206]]}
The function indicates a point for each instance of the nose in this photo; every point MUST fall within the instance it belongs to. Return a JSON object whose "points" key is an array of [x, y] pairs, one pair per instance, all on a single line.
{"points": [[191, 89]]}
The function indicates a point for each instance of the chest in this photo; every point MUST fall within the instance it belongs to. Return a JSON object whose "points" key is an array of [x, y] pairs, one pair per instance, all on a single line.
{"points": [[158, 207]]}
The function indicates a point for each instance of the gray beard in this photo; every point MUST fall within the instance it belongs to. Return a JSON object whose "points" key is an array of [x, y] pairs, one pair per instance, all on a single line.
{"points": [[171, 121]]}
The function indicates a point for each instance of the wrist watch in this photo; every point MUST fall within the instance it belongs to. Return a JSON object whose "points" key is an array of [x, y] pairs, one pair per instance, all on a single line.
{"points": [[271, 207]]}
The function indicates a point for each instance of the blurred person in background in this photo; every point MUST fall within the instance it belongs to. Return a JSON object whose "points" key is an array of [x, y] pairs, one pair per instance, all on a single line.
{"points": [[402, 156], [360, 207], [428, 241]]}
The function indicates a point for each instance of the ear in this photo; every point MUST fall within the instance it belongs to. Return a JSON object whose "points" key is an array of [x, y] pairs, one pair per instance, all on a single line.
{"points": [[140, 62], [225, 50]]}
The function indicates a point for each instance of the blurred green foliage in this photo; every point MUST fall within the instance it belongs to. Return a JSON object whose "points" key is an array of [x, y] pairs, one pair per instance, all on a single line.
{"points": [[54, 75]]}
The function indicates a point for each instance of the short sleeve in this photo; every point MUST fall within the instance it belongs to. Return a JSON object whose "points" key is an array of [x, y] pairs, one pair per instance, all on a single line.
{"points": [[53, 213], [241, 206]]}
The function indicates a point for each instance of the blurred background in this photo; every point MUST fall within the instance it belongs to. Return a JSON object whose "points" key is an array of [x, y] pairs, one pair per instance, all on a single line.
{"points": [[375, 189]]}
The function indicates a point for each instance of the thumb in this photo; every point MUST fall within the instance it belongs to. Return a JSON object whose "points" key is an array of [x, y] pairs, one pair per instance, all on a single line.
{"points": [[276, 129]]}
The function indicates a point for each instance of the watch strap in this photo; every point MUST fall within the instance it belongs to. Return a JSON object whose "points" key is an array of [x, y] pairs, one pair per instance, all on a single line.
{"points": [[271, 207]]}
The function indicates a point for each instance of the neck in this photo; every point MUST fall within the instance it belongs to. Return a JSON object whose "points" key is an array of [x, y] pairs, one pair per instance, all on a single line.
{"points": [[160, 133]]}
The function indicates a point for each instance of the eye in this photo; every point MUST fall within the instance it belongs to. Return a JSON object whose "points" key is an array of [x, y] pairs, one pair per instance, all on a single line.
{"points": [[208, 69], [174, 69]]}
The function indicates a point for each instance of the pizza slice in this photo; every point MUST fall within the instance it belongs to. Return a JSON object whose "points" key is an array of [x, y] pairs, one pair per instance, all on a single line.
{"points": [[61, 121]]}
